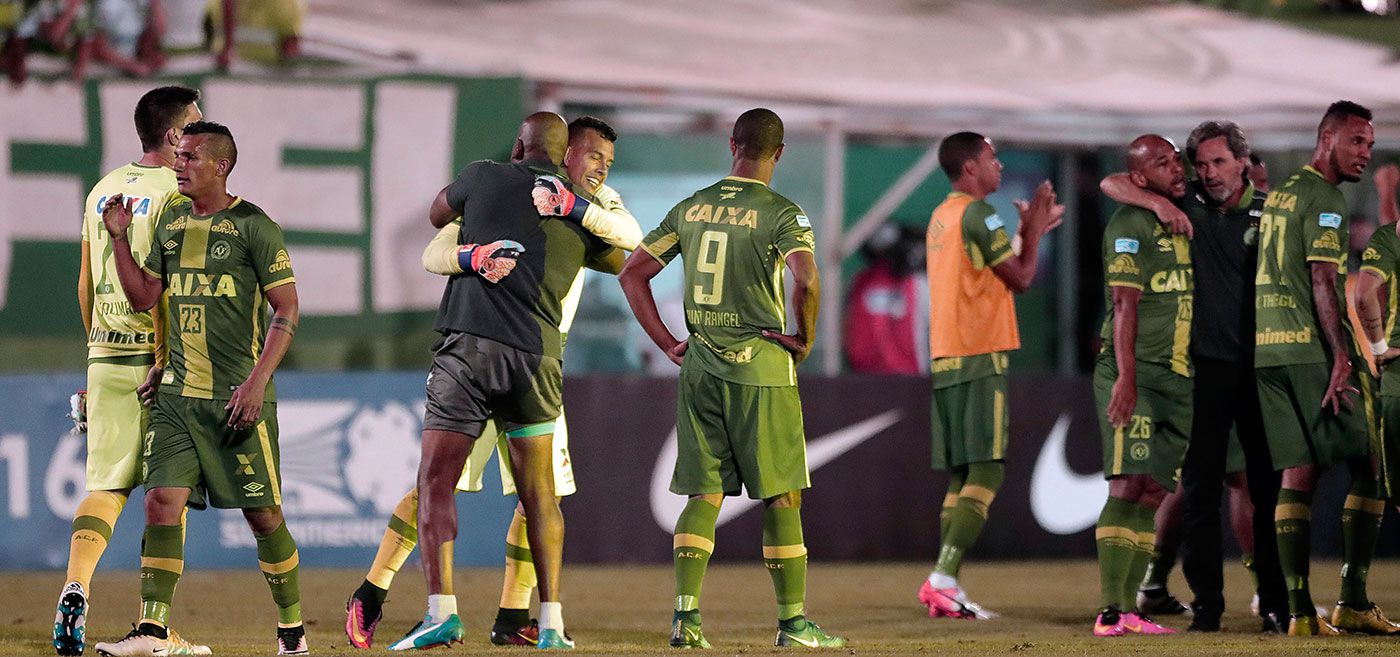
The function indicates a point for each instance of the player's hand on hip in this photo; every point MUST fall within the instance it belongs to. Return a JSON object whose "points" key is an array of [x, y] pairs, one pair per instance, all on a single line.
{"points": [[553, 198], [245, 406], [147, 390], [1384, 359], [1339, 388], [77, 411], [796, 345], [1123, 401], [116, 215], [677, 352], [493, 261]]}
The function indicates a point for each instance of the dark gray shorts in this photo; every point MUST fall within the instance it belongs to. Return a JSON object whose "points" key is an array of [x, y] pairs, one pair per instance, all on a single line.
{"points": [[473, 378]]}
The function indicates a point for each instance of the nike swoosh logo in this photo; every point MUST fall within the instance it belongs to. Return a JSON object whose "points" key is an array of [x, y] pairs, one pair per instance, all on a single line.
{"points": [[666, 506], [1063, 501], [810, 643]]}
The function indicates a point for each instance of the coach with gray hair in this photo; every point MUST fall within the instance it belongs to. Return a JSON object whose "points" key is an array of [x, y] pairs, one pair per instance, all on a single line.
{"points": [[1221, 211]]}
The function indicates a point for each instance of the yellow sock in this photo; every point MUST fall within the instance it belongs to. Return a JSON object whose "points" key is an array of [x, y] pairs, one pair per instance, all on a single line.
{"points": [[399, 539], [92, 528], [520, 579]]}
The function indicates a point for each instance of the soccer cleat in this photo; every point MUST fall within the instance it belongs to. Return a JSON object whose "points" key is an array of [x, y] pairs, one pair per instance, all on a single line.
{"points": [[943, 602], [516, 635], [1313, 625], [1134, 623], [685, 630], [800, 632], [427, 634], [180, 647], [361, 617], [1370, 621], [1109, 623], [292, 641], [70, 622], [1160, 602], [551, 639], [136, 643]]}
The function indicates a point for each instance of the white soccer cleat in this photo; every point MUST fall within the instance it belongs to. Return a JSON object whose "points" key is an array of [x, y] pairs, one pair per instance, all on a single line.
{"points": [[135, 644], [179, 646]]}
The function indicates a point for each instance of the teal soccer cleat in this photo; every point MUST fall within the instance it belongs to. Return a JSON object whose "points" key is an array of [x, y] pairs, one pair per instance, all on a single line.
{"points": [[554, 640], [427, 634]]}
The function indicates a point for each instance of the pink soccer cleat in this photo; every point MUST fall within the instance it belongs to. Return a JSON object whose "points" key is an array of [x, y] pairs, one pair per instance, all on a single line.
{"points": [[943, 602], [1134, 623], [360, 624], [1109, 623]]}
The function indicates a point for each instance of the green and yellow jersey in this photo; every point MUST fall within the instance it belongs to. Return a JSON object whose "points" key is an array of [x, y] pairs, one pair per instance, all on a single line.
{"points": [[1139, 253], [216, 269], [1304, 221], [117, 330], [733, 238], [1382, 257]]}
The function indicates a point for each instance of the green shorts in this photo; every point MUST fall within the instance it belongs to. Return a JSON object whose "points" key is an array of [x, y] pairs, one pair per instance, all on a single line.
{"points": [[116, 422], [970, 422], [730, 435], [1388, 455], [1154, 442], [189, 445], [492, 439], [1300, 431]]}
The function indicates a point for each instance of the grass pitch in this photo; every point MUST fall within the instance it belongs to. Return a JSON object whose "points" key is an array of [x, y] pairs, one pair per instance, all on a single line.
{"points": [[1047, 610]]}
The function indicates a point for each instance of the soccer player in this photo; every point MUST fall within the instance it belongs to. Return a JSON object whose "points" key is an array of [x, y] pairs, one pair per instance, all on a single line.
{"points": [[1377, 300], [587, 161], [1142, 381], [503, 363], [1223, 210], [1304, 352], [217, 260], [739, 415], [972, 272], [122, 348]]}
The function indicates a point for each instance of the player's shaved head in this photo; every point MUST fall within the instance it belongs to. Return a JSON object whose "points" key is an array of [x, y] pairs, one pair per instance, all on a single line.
{"points": [[543, 135], [1145, 150], [218, 141], [758, 133], [1338, 112]]}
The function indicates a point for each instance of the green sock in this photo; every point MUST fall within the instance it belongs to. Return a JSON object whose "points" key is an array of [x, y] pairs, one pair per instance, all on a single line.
{"points": [[950, 500], [162, 562], [1116, 541], [1159, 567], [691, 548], [1143, 523], [786, 558], [968, 515], [277, 556], [1361, 526], [1293, 524]]}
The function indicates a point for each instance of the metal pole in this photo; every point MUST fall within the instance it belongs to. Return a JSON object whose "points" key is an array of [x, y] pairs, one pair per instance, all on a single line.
{"points": [[833, 284], [1066, 269]]}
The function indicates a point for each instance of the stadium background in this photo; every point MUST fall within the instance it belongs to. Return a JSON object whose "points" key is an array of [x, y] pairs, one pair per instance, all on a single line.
{"points": [[346, 149]]}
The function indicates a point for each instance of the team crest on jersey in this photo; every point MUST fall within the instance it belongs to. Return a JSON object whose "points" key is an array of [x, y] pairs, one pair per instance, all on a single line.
{"points": [[220, 251], [226, 227], [1125, 245], [993, 222], [1329, 220], [280, 263]]}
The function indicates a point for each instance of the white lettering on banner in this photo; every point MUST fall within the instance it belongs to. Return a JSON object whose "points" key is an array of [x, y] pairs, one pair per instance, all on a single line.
{"points": [[666, 506], [14, 451], [65, 482], [344, 468], [413, 137], [1063, 501], [39, 206]]}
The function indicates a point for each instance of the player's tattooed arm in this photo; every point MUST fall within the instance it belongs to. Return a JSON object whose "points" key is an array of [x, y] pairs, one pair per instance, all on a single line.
{"points": [[1330, 316], [245, 406], [283, 324]]}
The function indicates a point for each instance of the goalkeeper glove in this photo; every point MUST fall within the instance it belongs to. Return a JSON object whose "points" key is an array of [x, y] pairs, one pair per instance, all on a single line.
{"points": [[77, 411], [493, 261], [553, 198]]}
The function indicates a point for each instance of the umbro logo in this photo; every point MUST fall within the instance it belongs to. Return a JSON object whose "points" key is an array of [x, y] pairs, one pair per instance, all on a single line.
{"points": [[253, 487], [170, 245]]}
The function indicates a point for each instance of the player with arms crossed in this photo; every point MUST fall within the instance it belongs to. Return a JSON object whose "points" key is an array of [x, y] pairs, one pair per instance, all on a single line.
{"points": [[972, 272], [123, 364], [1142, 382], [500, 357], [587, 161], [1318, 408], [739, 416], [219, 261]]}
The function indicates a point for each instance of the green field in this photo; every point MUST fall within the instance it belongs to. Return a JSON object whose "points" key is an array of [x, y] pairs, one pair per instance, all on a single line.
{"points": [[1047, 609]]}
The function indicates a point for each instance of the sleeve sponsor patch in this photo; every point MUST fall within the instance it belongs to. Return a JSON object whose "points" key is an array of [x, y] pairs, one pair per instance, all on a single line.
{"points": [[1329, 220], [803, 221], [1371, 255], [993, 222], [1125, 245]]}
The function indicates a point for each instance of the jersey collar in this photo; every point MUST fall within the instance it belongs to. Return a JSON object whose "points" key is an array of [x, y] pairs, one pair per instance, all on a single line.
{"points": [[747, 180]]}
